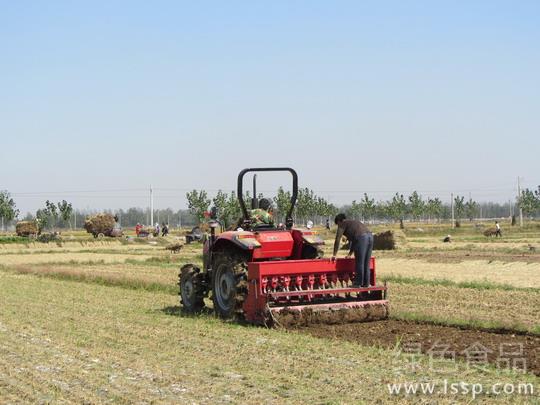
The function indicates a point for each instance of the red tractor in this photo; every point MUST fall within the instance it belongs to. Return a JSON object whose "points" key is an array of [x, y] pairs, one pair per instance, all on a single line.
{"points": [[268, 275]]}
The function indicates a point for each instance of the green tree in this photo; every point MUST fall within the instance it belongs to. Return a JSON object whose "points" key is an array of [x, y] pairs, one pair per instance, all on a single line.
{"points": [[459, 208], [219, 202], [397, 208], [305, 205], [368, 207], [528, 202], [282, 201], [42, 218], [416, 205], [232, 209], [227, 208], [8, 208], [356, 210], [471, 209], [53, 212], [331, 210], [434, 207], [324, 208], [198, 203], [65, 209], [382, 210]]}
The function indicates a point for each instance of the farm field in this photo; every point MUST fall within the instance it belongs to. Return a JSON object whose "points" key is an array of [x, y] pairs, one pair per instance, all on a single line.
{"points": [[100, 321]]}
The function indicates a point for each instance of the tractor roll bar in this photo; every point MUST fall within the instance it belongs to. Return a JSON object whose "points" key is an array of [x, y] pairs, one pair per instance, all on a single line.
{"points": [[240, 191]]}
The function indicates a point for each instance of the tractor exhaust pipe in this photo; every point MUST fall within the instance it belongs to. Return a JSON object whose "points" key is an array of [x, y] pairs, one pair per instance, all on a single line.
{"points": [[254, 200]]}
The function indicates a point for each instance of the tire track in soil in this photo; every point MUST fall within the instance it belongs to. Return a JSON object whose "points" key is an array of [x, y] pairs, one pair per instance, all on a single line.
{"points": [[424, 336]]}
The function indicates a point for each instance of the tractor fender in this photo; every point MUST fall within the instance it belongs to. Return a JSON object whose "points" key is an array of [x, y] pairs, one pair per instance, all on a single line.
{"points": [[223, 244]]}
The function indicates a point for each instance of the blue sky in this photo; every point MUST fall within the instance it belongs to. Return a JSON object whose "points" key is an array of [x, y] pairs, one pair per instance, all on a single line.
{"points": [[105, 98]]}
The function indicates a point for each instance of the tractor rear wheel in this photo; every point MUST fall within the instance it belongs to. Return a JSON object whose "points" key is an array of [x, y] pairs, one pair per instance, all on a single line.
{"points": [[229, 285], [191, 289]]}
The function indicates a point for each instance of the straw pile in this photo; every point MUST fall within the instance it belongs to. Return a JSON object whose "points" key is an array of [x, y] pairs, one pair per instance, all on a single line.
{"points": [[26, 228], [384, 241], [100, 223], [490, 232], [381, 241]]}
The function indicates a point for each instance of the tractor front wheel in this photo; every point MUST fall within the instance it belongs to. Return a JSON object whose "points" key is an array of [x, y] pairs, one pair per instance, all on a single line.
{"points": [[229, 285], [191, 289]]}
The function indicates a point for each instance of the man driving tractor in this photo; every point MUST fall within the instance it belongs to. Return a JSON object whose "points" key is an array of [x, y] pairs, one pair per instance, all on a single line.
{"points": [[263, 214]]}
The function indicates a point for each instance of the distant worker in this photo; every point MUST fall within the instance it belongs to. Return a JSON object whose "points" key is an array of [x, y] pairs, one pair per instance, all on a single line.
{"points": [[361, 244], [156, 229], [327, 224], [164, 229], [138, 228], [447, 239], [263, 214], [498, 229]]}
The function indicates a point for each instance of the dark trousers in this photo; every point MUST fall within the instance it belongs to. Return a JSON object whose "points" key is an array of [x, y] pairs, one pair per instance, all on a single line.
{"points": [[362, 247]]}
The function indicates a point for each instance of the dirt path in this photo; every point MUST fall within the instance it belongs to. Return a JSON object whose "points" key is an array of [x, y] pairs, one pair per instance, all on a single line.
{"points": [[471, 346]]}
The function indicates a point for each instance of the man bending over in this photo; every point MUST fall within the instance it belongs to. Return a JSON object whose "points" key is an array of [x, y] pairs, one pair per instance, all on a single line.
{"points": [[361, 244]]}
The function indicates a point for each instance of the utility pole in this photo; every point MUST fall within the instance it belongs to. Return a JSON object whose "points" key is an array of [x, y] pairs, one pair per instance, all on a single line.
{"points": [[151, 206], [519, 201], [452, 208]]}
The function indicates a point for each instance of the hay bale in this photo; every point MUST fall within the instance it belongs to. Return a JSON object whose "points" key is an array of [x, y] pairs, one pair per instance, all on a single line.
{"points": [[384, 241], [100, 224], [26, 228], [381, 241], [490, 232], [400, 238]]}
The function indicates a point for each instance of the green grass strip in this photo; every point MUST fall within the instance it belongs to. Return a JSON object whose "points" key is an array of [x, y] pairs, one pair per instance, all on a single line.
{"points": [[127, 283], [478, 285]]}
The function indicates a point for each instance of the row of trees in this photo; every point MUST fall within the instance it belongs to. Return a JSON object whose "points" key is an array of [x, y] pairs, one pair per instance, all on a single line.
{"points": [[52, 213], [226, 206], [48, 216], [414, 207], [309, 206]]}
